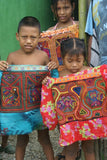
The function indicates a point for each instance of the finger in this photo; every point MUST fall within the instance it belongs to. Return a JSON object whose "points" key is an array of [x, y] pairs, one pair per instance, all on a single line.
{"points": [[3, 68], [3, 64]]}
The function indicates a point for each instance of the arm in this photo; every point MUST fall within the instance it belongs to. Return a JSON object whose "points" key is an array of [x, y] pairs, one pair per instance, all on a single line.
{"points": [[89, 49], [10, 58]]}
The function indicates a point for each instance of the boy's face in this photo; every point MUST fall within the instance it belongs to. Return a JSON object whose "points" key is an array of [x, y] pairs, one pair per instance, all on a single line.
{"points": [[28, 38]]}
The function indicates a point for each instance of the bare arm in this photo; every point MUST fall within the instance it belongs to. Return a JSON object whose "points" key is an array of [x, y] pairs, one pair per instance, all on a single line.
{"points": [[89, 48], [9, 58]]}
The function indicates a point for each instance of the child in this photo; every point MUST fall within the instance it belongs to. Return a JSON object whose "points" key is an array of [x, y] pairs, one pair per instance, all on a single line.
{"points": [[5, 147], [28, 36], [73, 55], [63, 10]]}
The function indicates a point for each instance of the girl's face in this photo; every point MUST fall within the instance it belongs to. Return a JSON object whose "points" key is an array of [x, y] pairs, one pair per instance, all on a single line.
{"points": [[64, 10], [74, 63]]}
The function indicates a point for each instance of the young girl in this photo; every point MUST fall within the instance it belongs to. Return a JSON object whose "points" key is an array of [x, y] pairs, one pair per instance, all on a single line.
{"points": [[73, 55], [63, 10]]}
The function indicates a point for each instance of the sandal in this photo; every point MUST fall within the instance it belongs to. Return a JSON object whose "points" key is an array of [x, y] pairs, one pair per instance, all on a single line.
{"points": [[8, 149], [78, 155]]}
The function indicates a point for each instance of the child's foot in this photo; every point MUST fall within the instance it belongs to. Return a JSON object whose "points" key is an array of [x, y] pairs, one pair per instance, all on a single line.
{"points": [[8, 149], [60, 157], [1, 157]]}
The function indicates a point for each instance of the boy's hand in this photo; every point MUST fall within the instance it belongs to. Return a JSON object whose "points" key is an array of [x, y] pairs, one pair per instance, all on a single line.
{"points": [[3, 65], [52, 65], [45, 81]]}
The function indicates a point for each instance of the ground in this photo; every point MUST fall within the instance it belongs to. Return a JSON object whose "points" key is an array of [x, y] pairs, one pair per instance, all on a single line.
{"points": [[34, 150]]}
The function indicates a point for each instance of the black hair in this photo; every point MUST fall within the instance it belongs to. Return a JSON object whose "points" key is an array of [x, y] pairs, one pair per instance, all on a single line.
{"points": [[73, 46], [29, 21], [54, 5]]}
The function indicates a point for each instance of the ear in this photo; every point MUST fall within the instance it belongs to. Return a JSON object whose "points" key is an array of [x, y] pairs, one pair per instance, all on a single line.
{"points": [[17, 36]]}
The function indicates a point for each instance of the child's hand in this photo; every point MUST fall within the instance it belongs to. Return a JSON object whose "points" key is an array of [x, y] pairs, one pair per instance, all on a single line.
{"points": [[3, 65], [45, 81], [52, 65]]}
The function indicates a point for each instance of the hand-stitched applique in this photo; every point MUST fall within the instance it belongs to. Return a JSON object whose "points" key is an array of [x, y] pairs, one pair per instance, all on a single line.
{"points": [[78, 104], [50, 42], [20, 99]]}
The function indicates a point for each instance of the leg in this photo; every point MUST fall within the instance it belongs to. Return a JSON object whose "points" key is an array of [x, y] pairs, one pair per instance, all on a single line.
{"points": [[88, 148], [4, 141], [44, 140], [71, 151], [22, 141], [5, 146], [61, 156]]}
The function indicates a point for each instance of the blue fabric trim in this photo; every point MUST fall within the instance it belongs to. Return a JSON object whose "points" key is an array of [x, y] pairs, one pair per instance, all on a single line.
{"points": [[0, 76], [54, 73]]}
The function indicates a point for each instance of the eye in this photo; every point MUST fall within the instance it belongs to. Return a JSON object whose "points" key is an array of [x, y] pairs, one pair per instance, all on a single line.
{"points": [[78, 60], [69, 61], [66, 7], [33, 37], [58, 8], [24, 37]]}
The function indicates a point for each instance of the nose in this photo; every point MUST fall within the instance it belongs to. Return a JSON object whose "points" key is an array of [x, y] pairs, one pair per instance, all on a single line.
{"points": [[62, 11], [28, 40], [74, 64]]}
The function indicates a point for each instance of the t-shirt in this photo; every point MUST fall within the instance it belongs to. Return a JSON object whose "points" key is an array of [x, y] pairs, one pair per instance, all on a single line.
{"points": [[97, 18]]}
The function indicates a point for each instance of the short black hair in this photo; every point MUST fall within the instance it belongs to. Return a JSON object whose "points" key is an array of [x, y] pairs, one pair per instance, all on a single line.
{"points": [[73, 46], [29, 21]]}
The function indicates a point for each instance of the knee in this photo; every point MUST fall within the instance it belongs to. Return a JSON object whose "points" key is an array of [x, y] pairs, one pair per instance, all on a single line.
{"points": [[72, 150], [88, 147], [43, 137], [22, 140]]}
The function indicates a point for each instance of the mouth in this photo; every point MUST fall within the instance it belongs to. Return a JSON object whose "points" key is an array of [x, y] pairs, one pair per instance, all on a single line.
{"points": [[75, 70], [28, 47], [62, 18]]}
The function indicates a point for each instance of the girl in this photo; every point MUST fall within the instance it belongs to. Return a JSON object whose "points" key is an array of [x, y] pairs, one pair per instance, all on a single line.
{"points": [[63, 10], [73, 55]]}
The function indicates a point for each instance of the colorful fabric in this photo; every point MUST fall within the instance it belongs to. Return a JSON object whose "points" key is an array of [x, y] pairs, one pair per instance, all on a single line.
{"points": [[78, 104], [20, 99], [50, 42], [97, 18]]}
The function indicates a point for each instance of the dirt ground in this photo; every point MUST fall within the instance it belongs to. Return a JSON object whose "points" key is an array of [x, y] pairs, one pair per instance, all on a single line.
{"points": [[34, 150]]}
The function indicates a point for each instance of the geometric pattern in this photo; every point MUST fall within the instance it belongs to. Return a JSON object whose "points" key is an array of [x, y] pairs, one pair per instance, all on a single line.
{"points": [[50, 42], [78, 104], [80, 100], [21, 90]]}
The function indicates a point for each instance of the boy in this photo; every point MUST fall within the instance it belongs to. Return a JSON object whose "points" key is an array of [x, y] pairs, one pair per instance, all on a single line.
{"points": [[28, 35]]}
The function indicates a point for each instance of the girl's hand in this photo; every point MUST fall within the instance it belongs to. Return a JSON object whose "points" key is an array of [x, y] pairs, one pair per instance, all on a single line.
{"points": [[3, 65], [52, 65], [45, 81]]}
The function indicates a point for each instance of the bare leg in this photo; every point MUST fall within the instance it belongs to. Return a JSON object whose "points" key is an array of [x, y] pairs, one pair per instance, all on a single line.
{"points": [[44, 140], [71, 151], [22, 141], [4, 141], [88, 148]]}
